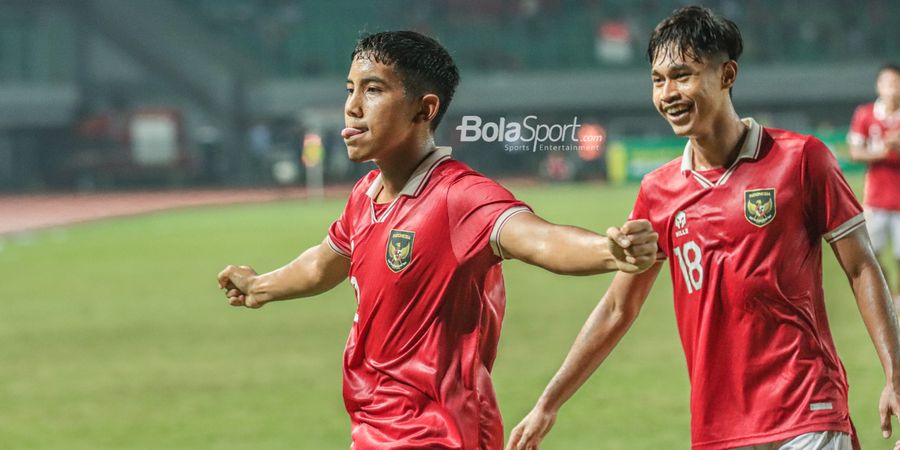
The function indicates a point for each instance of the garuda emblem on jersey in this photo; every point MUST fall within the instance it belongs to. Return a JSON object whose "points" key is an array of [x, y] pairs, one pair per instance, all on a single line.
{"points": [[759, 206], [399, 249]]}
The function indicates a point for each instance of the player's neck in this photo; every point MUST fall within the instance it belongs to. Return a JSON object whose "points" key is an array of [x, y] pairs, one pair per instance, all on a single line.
{"points": [[890, 107], [721, 146], [399, 167]]}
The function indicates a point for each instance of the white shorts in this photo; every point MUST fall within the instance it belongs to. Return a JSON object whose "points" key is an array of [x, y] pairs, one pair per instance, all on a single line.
{"points": [[819, 440], [883, 224]]}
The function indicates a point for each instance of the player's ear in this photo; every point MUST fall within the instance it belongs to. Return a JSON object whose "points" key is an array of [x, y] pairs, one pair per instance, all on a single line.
{"points": [[428, 108], [729, 73]]}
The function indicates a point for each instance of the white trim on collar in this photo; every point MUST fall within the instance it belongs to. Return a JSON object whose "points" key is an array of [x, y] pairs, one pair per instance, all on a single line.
{"points": [[749, 150], [879, 110], [413, 186], [419, 176]]}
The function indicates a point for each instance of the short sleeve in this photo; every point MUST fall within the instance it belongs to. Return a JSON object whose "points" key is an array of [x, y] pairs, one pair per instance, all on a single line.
{"points": [[858, 130], [642, 211], [478, 208], [831, 205], [339, 234], [639, 211]]}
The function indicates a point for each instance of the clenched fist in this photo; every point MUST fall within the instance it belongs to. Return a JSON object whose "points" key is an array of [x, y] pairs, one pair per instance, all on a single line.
{"points": [[633, 245], [236, 280]]}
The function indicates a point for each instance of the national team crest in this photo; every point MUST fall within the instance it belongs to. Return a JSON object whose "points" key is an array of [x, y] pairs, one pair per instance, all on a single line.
{"points": [[399, 249], [759, 206]]}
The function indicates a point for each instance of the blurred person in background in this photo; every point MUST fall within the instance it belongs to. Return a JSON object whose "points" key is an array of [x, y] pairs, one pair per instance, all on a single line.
{"points": [[741, 215], [421, 240], [874, 139], [259, 139]]}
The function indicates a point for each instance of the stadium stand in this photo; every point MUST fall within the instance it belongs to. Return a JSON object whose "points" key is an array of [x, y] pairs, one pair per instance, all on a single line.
{"points": [[226, 67]]}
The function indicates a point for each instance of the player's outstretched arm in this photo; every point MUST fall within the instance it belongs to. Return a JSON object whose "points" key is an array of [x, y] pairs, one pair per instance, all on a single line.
{"points": [[575, 251], [604, 328], [860, 153], [873, 298], [316, 270]]}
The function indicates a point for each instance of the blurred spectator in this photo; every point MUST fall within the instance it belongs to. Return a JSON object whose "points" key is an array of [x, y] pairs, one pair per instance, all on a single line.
{"points": [[291, 36], [556, 167], [260, 139], [591, 152], [613, 45]]}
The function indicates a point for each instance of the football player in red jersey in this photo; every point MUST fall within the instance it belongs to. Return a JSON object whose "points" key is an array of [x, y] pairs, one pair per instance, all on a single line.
{"points": [[741, 217], [874, 139], [422, 239]]}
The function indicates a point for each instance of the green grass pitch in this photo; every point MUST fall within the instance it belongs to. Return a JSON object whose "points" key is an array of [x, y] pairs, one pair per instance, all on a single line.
{"points": [[113, 335]]}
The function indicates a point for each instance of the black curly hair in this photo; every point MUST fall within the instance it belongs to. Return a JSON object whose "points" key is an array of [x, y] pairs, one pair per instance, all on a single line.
{"points": [[695, 32], [422, 63]]}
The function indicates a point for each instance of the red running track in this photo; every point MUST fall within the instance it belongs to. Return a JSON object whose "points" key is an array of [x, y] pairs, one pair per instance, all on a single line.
{"points": [[20, 213]]}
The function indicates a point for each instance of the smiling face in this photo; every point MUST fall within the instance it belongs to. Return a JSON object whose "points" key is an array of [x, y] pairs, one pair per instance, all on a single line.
{"points": [[379, 116], [691, 95]]}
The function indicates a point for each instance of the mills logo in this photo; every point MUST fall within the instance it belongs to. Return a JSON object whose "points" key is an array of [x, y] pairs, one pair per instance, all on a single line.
{"points": [[681, 224]]}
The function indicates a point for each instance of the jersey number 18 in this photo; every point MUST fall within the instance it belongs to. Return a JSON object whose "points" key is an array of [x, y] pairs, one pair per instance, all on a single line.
{"points": [[689, 262]]}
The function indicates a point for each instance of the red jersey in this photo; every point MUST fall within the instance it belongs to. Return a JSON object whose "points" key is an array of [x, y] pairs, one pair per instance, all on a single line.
{"points": [[746, 265], [431, 298], [871, 124]]}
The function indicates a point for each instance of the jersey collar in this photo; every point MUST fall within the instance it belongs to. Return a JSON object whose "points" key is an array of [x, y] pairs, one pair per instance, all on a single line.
{"points": [[419, 177], [749, 150], [880, 112]]}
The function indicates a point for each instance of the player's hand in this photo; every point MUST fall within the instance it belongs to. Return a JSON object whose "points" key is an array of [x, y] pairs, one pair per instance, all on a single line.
{"points": [[892, 142], [633, 246], [889, 406], [236, 281], [529, 433]]}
